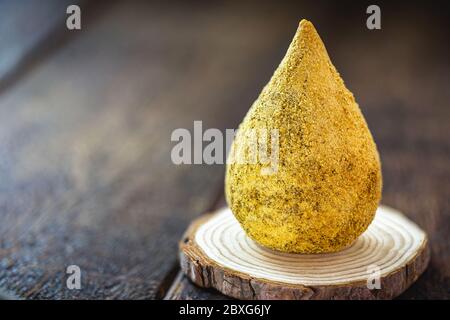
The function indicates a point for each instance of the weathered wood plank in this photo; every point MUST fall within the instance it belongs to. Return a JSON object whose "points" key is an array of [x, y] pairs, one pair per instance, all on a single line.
{"points": [[85, 170]]}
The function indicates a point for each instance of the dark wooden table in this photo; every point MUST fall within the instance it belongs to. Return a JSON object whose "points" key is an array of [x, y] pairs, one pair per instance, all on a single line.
{"points": [[86, 118]]}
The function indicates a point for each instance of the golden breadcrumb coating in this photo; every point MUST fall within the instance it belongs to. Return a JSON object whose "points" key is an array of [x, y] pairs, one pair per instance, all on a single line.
{"points": [[328, 184]]}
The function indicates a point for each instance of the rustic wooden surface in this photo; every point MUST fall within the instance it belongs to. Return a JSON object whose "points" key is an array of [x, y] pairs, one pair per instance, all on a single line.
{"points": [[86, 117]]}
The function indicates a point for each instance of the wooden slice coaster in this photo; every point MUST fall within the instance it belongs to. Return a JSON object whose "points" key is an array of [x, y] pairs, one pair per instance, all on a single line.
{"points": [[215, 252]]}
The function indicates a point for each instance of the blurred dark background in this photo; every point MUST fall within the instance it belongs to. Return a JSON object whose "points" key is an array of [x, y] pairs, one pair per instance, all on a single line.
{"points": [[86, 117]]}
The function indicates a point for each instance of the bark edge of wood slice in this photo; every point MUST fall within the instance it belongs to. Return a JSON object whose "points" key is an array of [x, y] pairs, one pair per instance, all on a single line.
{"points": [[239, 268]]}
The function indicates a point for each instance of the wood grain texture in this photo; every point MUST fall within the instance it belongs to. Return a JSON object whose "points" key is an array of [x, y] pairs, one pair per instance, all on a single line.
{"points": [[85, 171], [86, 174], [216, 253]]}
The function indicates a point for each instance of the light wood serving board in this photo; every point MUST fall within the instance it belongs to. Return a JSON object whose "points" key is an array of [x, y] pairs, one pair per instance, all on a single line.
{"points": [[215, 252]]}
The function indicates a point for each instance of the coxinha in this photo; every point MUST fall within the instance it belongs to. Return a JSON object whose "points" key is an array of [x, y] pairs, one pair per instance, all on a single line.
{"points": [[328, 184]]}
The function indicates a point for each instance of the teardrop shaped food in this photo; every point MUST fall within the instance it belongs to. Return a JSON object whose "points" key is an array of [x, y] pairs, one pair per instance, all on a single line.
{"points": [[325, 183]]}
